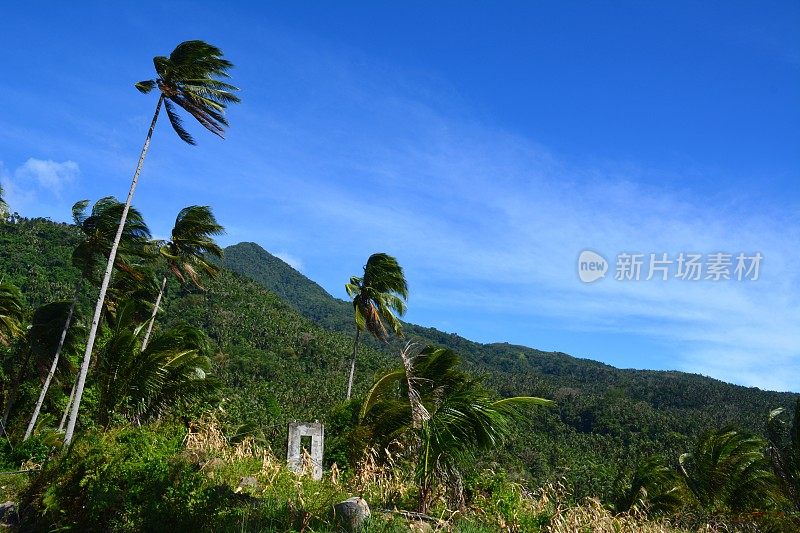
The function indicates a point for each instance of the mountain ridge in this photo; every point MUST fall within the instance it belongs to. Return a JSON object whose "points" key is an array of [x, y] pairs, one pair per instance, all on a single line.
{"points": [[313, 301]]}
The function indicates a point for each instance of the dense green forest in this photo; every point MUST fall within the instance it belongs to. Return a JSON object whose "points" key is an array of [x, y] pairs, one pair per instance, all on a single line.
{"points": [[280, 347]]}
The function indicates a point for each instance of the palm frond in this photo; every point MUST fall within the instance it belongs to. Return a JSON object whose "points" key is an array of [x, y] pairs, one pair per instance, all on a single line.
{"points": [[11, 312], [145, 86], [177, 124]]}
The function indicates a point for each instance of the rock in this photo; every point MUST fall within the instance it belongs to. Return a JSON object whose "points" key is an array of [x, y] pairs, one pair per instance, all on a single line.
{"points": [[351, 514], [8, 513], [247, 482]]}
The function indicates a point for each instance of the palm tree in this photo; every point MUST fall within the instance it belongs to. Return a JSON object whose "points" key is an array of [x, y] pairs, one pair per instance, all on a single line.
{"points": [[728, 470], [442, 413], [653, 487], [191, 79], [188, 250], [99, 229], [47, 336], [377, 296], [42, 336], [784, 451], [173, 372]]}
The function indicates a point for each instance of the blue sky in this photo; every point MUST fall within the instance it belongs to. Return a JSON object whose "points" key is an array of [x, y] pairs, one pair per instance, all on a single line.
{"points": [[484, 144]]}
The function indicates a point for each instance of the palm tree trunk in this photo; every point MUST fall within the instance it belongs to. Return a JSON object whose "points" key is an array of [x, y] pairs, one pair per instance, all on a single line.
{"points": [[50, 374], [153, 318], [69, 403], [98, 309], [353, 364]]}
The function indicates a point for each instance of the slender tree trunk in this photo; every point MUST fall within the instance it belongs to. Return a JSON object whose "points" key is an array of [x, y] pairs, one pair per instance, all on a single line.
{"points": [[69, 403], [98, 309], [353, 364], [50, 374], [155, 311]]}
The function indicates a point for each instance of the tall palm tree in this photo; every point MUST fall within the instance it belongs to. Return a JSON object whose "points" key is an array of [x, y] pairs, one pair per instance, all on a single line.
{"points": [[99, 228], [191, 79], [187, 252], [441, 412], [728, 470], [49, 336], [379, 295]]}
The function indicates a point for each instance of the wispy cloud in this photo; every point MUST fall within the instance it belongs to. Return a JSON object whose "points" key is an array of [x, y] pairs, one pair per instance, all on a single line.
{"points": [[37, 180]]}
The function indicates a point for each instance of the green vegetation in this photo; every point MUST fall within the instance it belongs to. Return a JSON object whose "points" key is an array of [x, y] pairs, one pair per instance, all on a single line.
{"points": [[264, 364], [182, 419]]}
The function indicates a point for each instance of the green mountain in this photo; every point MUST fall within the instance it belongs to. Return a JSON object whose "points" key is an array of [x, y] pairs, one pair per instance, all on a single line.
{"points": [[519, 369], [283, 344]]}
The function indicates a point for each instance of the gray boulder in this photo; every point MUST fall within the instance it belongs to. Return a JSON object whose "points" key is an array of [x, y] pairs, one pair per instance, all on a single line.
{"points": [[351, 514], [8, 513]]}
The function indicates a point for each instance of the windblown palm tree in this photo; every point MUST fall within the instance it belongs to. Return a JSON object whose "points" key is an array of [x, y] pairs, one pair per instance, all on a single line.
{"points": [[653, 487], [728, 470], [191, 78], [99, 229], [51, 332], [377, 296], [783, 432], [44, 335], [139, 385], [188, 250], [442, 413]]}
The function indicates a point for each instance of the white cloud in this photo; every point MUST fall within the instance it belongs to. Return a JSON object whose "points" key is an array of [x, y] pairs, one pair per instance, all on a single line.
{"points": [[291, 260], [49, 175], [37, 182]]}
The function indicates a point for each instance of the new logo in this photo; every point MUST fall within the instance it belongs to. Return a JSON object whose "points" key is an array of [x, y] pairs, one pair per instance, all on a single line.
{"points": [[591, 266]]}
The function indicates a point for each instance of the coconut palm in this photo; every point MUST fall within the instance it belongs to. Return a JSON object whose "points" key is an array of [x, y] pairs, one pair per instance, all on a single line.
{"points": [[50, 333], [42, 337], [783, 434], [378, 298], [99, 229], [191, 79], [441, 413], [653, 487], [728, 470], [187, 252], [173, 372]]}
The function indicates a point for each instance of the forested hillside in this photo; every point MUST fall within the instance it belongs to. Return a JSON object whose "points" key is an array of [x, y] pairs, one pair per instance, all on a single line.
{"points": [[691, 403], [281, 346]]}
